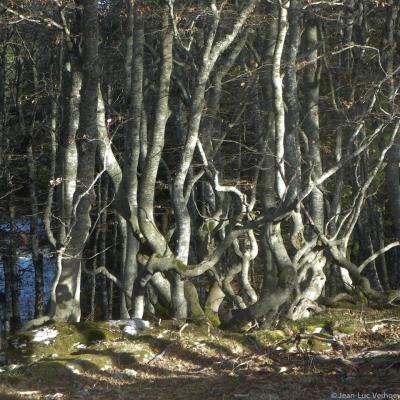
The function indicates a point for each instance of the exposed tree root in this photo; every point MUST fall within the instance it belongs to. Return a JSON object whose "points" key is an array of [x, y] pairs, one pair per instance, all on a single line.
{"points": [[383, 358], [35, 323], [330, 301], [334, 342]]}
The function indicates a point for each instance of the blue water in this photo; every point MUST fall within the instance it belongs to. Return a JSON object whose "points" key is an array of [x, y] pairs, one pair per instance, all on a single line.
{"points": [[26, 272], [26, 284]]}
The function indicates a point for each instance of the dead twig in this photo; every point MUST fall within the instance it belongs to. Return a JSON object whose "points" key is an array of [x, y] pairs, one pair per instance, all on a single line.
{"points": [[162, 354], [383, 320], [334, 342], [183, 328]]}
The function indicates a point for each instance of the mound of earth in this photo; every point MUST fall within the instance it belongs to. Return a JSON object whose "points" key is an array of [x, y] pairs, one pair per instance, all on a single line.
{"points": [[341, 352]]}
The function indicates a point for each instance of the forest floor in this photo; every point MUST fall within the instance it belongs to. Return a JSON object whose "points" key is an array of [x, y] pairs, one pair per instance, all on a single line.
{"points": [[171, 360]]}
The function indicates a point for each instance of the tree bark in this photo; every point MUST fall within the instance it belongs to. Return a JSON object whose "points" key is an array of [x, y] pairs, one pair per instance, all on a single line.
{"points": [[68, 288], [311, 117]]}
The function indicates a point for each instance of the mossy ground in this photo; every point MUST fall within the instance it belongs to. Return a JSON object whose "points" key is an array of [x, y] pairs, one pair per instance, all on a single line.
{"points": [[195, 361]]}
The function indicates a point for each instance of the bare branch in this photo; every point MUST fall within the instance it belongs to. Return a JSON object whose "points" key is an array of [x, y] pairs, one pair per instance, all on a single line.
{"points": [[377, 254]]}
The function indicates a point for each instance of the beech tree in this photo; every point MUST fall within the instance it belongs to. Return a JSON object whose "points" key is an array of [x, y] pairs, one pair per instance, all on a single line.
{"points": [[214, 160]]}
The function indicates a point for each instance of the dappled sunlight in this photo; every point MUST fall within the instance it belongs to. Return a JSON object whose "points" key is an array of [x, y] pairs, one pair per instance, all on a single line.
{"points": [[166, 361]]}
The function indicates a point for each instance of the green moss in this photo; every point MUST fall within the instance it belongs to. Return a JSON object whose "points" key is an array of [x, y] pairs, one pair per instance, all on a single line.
{"points": [[125, 360], [317, 345], [162, 311], [271, 335], [230, 338], [212, 317], [90, 361], [22, 336], [69, 335], [332, 320], [197, 313], [19, 347], [13, 377], [345, 305], [93, 331], [209, 225], [103, 357], [42, 373], [181, 266], [309, 325], [349, 328]]}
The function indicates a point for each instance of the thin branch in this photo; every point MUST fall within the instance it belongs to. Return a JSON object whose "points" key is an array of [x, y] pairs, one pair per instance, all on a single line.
{"points": [[44, 20], [377, 254]]}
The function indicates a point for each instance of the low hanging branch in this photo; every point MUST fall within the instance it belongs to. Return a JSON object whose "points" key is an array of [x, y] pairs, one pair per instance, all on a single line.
{"points": [[104, 271], [159, 263], [377, 254]]}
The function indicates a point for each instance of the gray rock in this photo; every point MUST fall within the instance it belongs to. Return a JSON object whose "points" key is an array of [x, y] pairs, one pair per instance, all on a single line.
{"points": [[135, 323]]}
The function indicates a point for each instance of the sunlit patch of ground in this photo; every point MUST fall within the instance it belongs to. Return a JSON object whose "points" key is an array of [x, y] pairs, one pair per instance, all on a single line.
{"points": [[197, 363]]}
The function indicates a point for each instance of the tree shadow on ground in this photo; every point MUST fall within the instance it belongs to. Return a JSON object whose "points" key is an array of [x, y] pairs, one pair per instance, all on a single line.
{"points": [[221, 349], [119, 359], [193, 373], [163, 383], [249, 342], [174, 348]]}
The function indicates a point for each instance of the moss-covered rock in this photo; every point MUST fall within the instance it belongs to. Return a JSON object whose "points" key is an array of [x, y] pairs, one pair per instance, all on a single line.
{"points": [[40, 373], [90, 354], [309, 325], [69, 335], [316, 345]]}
